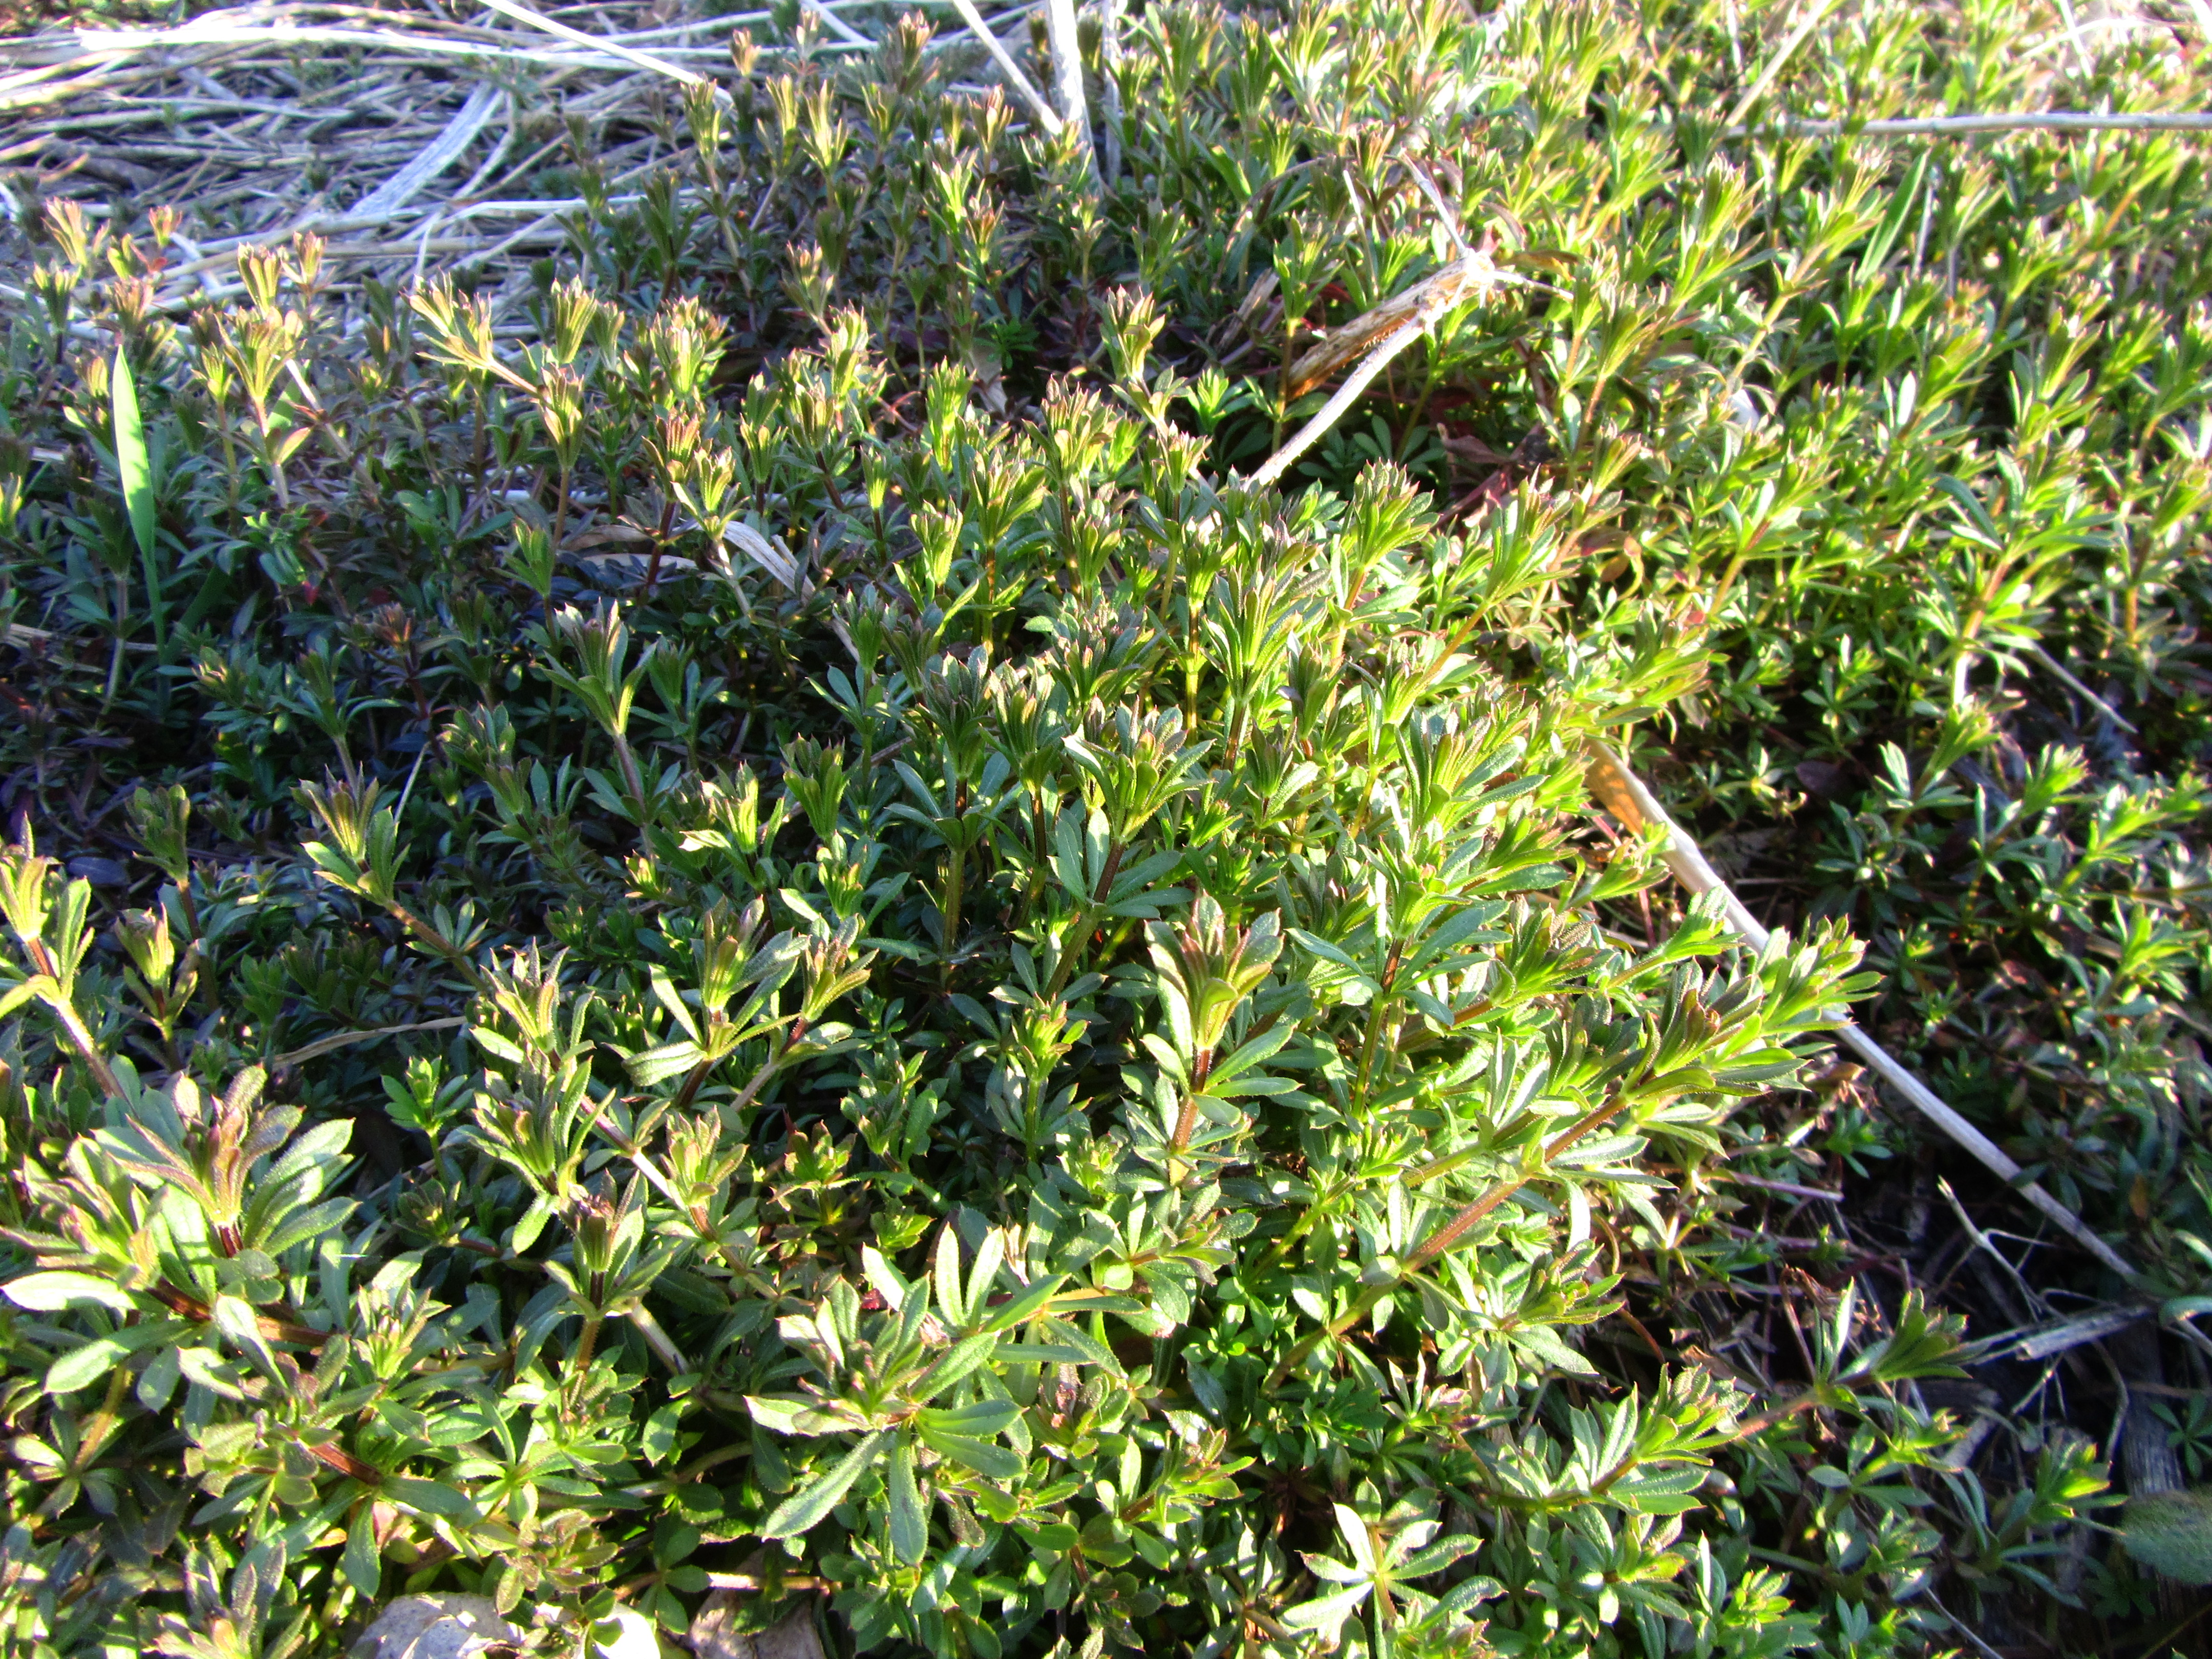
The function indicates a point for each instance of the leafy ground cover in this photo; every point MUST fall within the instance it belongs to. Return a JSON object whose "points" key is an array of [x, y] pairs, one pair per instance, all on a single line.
{"points": [[717, 923]]}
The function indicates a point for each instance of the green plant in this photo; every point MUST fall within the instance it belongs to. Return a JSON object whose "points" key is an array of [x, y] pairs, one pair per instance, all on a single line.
{"points": [[988, 1029]]}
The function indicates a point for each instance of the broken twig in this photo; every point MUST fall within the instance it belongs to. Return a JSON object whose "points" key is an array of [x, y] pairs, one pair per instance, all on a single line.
{"points": [[1048, 117], [403, 186], [2066, 676], [1621, 792], [1949, 125], [644, 60], [1399, 321], [1814, 13], [1431, 297], [1067, 76]]}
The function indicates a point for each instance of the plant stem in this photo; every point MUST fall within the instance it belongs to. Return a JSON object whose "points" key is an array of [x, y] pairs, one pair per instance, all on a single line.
{"points": [[1187, 1120], [1448, 1235], [1375, 1017], [949, 913], [65, 1014], [1773, 1414], [579, 1362]]}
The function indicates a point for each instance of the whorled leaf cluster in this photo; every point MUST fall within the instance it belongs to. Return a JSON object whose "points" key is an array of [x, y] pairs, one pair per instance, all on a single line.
{"points": [[773, 942]]}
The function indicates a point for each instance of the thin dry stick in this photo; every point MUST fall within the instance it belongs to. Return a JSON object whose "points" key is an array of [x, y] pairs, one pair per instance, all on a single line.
{"points": [[538, 227], [1426, 300], [1806, 25], [1346, 395], [346, 1039], [1624, 795], [2066, 676], [1067, 76], [422, 248], [643, 60], [369, 162], [2030, 1298], [837, 25], [2049, 121], [403, 186], [1441, 289], [489, 165], [1449, 219], [2074, 41], [1110, 85], [105, 47], [746, 1583], [1048, 117], [1960, 1625], [2131, 27], [433, 213]]}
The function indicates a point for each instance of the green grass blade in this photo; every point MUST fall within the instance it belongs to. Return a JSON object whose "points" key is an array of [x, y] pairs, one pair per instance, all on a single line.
{"points": [[136, 468]]}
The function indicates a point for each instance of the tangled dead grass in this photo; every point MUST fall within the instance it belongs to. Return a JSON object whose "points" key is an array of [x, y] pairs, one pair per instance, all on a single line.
{"points": [[406, 139]]}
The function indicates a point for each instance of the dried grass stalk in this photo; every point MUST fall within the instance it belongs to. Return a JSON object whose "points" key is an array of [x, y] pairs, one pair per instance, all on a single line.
{"points": [[1966, 126], [1048, 117], [403, 186], [1399, 322], [1624, 795], [1429, 298], [1067, 75]]}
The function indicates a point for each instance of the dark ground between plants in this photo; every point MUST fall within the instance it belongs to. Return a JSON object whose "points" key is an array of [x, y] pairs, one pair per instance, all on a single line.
{"points": [[704, 919]]}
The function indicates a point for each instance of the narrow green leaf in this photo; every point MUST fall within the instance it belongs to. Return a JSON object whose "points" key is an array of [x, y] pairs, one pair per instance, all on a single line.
{"points": [[956, 1361], [81, 1366], [49, 1291], [987, 1458], [136, 468], [909, 1523], [1026, 1306], [1327, 1612], [89, 1363], [362, 1562], [1059, 1333], [660, 1437], [235, 1318], [211, 1371], [429, 1498], [805, 1509], [531, 1223], [949, 1296], [982, 1420], [158, 1380], [1548, 1348], [797, 1414]]}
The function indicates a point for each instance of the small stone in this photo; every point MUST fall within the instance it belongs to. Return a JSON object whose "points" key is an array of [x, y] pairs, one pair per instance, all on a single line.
{"points": [[713, 1634], [632, 1636], [435, 1627]]}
